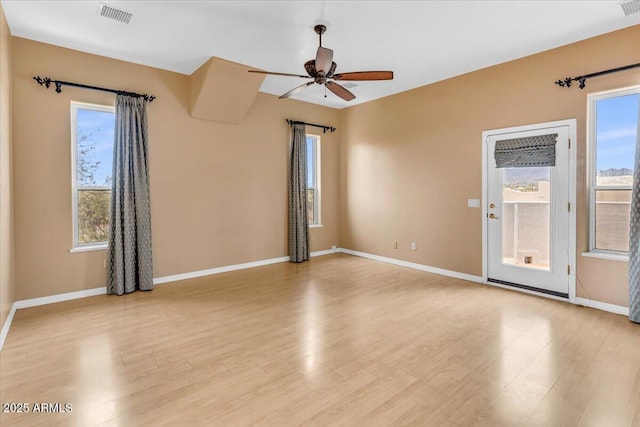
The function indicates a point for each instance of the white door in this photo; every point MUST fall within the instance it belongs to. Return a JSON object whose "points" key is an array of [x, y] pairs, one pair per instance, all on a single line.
{"points": [[528, 219]]}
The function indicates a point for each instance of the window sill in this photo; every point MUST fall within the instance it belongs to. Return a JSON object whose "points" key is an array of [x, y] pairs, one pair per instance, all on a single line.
{"points": [[606, 255], [316, 226], [88, 248]]}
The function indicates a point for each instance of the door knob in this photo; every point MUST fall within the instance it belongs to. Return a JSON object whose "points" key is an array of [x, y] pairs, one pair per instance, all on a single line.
{"points": [[492, 216]]}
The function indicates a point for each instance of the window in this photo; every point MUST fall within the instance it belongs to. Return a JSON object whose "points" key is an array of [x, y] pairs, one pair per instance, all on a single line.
{"points": [[613, 120], [92, 135], [313, 179]]}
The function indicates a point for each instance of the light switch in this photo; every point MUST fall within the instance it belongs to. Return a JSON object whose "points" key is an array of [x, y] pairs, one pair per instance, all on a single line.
{"points": [[473, 203]]}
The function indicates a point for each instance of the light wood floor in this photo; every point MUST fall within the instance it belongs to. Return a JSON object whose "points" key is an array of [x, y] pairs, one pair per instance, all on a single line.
{"points": [[339, 340]]}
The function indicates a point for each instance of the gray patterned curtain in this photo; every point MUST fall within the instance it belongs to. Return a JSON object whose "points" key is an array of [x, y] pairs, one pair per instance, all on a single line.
{"points": [[634, 238], [298, 219], [129, 263], [532, 151]]}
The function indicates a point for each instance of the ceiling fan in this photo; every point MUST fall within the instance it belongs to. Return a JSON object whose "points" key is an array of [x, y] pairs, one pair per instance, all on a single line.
{"points": [[322, 71]]}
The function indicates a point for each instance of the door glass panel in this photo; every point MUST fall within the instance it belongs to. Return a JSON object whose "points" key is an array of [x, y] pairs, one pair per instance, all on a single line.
{"points": [[526, 217]]}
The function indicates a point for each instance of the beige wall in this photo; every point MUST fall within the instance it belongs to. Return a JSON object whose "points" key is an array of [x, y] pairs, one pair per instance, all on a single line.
{"points": [[407, 165], [411, 161], [218, 191], [7, 289]]}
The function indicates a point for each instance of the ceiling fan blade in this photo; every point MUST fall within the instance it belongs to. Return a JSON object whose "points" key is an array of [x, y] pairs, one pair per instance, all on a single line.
{"points": [[296, 90], [278, 74], [324, 59], [365, 75], [340, 91]]}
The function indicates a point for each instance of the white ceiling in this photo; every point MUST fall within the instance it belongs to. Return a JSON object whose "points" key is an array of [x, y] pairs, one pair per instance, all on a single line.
{"points": [[421, 41]]}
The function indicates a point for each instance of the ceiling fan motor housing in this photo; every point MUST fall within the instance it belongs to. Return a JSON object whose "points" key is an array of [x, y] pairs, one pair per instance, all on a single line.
{"points": [[310, 67]]}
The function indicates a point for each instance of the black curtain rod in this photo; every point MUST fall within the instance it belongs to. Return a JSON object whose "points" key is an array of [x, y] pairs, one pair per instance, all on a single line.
{"points": [[46, 82], [583, 79], [324, 128]]}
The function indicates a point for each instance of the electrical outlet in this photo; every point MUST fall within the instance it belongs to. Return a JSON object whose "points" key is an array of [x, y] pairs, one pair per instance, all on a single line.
{"points": [[395, 245], [104, 263], [413, 246]]}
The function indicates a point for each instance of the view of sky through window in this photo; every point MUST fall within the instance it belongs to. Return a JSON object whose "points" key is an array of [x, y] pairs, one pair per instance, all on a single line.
{"points": [[617, 125], [95, 135], [310, 162]]}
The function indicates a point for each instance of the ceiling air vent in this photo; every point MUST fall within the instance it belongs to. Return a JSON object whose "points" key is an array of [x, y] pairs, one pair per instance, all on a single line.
{"points": [[350, 85], [111, 12], [630, 7]]}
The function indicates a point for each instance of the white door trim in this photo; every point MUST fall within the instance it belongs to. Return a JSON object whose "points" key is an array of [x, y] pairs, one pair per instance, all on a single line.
{"points": [[572, 125]]}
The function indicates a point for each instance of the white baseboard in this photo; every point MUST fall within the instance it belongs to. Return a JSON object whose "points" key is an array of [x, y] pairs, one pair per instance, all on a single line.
{"points": [[159, 280], [227, 268], [34, 302], [611, 308], [7, 325], [321, 253], [217, 270], [415, 266]]}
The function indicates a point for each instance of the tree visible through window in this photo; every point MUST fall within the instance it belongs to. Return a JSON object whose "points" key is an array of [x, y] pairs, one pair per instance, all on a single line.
{"points": [[92, 139], [614, 124]]}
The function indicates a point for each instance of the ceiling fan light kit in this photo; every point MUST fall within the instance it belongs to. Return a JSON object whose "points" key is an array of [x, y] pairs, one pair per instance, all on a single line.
{"points": [[322, 71]]}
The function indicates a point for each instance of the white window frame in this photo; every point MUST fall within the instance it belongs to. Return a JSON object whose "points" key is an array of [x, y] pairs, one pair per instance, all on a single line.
{"points": [[317, 196], [592, 100], [75, 106]]}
